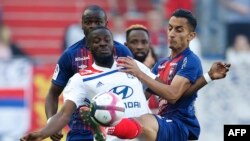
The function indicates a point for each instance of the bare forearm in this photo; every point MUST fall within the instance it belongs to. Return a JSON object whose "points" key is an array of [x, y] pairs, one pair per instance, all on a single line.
{"points": [[201, 82], [59, 120], [56, 123], [160, 89], [51, 105]]}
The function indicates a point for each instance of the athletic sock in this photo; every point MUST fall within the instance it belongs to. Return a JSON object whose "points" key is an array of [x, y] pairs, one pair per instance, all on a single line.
{"points": [[127, 128]]}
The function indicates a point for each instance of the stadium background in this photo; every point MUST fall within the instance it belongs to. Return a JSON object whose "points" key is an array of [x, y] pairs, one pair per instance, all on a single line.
{"points": [[38, 26]]}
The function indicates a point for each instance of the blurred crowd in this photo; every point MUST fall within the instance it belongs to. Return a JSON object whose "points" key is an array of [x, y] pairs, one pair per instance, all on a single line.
{"points": [[234, 25]]}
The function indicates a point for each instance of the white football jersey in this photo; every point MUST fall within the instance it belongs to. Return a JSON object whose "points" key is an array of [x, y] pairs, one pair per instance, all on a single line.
{"points": [[83, 86]]}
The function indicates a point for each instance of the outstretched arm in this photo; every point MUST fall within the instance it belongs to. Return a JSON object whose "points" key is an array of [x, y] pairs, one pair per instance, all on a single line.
{"points": [[56, 123], [217, 71], [51, 106], [172, 93]]}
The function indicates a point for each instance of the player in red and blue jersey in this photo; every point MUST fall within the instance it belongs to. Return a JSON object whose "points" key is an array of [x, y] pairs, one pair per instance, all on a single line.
{"points": [[176, 120], [76, 58]]}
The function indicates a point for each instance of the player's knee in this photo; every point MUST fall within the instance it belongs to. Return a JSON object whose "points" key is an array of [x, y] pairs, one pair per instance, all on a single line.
{"points": [[149, 131]]}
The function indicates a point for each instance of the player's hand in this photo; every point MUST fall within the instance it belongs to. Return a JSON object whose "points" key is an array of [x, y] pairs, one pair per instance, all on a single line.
{"points": [[129, 64], [85, 115], [34, 136], [218, 70], [57, 137]]}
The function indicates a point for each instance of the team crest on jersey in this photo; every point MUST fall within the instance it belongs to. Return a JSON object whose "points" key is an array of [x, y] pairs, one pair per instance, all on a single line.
{"points": [[161, 66], [172, 71]]}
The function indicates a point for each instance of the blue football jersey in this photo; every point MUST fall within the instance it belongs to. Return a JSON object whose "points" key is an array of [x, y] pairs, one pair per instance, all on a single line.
{"points": [[182, 113]]}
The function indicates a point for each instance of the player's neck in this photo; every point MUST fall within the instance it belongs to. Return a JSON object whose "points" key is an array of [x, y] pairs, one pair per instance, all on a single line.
{"points": [[108, 64], [176, 52]]}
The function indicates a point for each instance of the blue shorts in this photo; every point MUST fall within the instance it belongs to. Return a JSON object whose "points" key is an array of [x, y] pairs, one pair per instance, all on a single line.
{"points": [[171, 130], [79, 135]]}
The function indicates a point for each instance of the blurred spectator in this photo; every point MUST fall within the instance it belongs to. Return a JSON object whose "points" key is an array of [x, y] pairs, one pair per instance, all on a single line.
{"points": [[131, 8], [73, 33], [158, 34], [151, 58], [118, 28], [195, 46], [172, 5], [237, 19], [240, 51], [1, 15], [8, 49]]}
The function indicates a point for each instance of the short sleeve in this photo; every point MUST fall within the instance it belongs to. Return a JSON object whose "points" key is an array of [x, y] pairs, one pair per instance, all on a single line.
{"points": [[145, 69], [74, 90], [122, 50], [63, 70], [190, 68]]}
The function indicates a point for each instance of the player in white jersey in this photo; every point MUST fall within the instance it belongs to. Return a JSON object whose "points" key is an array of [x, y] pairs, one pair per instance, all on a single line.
{"points": [[102, 76], [83, 86]]}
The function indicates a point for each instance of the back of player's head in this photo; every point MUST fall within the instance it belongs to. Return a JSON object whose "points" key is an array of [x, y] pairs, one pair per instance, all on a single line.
{"points": [[135, 27], [94, 8], [91, 31], [183, 13]]}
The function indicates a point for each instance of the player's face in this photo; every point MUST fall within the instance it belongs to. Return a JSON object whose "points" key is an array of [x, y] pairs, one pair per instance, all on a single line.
{"points": [[101, 45], [138, 43], [92, 19], [179, 33]]}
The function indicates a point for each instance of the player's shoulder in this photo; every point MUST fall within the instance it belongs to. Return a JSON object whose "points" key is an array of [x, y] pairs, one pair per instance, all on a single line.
{"points": [[119, 45], [190, 54], [76, 46], [73, 50]]}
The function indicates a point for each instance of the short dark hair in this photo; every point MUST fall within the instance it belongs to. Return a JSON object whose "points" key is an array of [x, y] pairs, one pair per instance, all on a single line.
{"points": [[183, 13], [135, 27], [94, 8], [92, 30]]}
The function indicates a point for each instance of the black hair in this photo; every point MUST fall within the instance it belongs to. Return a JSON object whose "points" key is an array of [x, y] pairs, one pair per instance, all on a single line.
{"points": [[183, 13], [92, 30], [94, 8], [135, 27]]}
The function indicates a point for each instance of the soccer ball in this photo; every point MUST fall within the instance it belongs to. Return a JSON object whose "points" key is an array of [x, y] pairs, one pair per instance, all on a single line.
{"points": [[107, 109]]}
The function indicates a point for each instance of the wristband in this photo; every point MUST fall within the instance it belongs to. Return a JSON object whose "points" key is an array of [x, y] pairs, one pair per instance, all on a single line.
{"points": [[49, 119], [207, 77]]}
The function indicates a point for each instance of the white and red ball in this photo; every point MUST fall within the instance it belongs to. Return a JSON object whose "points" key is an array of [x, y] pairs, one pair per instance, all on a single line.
{"points": [[107, 109]]}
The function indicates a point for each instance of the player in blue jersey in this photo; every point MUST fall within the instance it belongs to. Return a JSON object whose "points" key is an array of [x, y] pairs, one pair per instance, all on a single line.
{"points": [[176, 120], [76, 58]]}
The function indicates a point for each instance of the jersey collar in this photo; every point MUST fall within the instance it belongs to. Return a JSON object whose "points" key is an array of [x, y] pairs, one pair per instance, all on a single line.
{"points": [[103, 68]]}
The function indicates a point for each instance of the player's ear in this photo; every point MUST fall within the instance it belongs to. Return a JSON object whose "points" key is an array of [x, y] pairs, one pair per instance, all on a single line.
{"points": [[191, 36]]}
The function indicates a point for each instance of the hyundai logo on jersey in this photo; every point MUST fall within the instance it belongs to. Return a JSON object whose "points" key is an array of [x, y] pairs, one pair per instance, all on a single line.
{"points": [[123, 90]]}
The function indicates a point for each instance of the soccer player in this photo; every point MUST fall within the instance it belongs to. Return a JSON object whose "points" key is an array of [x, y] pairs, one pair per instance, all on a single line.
{"points": [[176, 120], [76, 58], [101, 76], [138, 41]]}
